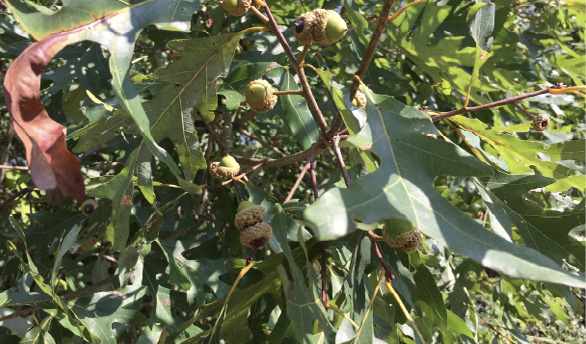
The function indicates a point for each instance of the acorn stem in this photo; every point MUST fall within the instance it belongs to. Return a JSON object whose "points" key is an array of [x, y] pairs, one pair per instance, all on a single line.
{"points": [[282, 93], [530, 116], [260, 16]]}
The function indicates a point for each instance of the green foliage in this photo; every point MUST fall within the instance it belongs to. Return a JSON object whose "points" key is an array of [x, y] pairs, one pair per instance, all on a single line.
{"points": [[154, 93]]}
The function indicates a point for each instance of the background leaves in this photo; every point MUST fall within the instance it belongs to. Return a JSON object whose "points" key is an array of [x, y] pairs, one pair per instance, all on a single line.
{"points": [[501, 206]]}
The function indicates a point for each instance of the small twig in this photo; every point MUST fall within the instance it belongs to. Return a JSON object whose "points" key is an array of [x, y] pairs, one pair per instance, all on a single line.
{"points": [[324, 264], [282, 93], [226, 182], [530, 116], [388, 271], [490, 105], [297, 182], [8, 167], [68, 297], [311, 102], [260, 16], [239, 122], [226, 134], [335, 309], [211, 131], [301, 58], [374, 237], [314, 181], [491, 326], [336, 147], [262, 142], [315, 149], [366, 58]]}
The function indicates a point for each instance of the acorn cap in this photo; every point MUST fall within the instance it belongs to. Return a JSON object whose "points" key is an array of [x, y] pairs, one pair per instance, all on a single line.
{"points": [[251, 236], [236, 7], [304, 28], [411, 239], [249, 216], [254, 93], [540, 122], [88, 206], [214, 169]]}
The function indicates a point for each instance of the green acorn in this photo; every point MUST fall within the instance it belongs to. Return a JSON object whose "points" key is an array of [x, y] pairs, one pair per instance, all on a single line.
{"points": [[236, 7], [259, 96], [227, 167], [321, 26]]}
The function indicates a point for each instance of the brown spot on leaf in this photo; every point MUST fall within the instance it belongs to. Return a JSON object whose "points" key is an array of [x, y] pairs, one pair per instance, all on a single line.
{"points": [[53, 168]]}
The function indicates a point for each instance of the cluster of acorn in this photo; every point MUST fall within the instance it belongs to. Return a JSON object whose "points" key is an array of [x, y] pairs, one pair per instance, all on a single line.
{"points": [[249, 220]]}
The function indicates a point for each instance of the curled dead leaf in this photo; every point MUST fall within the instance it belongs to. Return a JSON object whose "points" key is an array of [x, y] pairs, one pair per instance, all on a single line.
{"points": [[53, 168]]}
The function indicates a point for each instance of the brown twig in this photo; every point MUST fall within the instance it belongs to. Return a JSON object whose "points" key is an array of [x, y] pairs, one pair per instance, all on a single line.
{"points": [[324, 264], [226, 182], [262, 142], [374, 237], [382, 22], [530, 116], [311, 102], [313, 180], [316, 149], [336, 147], [68, 297], [211, 130], [297, 182], [226, 133], [8, 167], [388, 272], [240, 122], [283, 93], [490, 105]]}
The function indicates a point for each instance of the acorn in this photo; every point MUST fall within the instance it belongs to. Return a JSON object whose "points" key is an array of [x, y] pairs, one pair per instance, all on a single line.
{"points": [[360, 99], [409, 238], [321, 26], [540, 122], [259, 96], [249, 221], [236, 7], [227, 167], [88, 206]]}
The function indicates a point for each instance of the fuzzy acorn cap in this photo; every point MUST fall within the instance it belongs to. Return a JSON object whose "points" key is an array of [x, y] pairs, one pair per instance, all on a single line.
{"points": [[249, 217], [255, 90], [411, 239], [360, 99], [88, 206], [250, 237], [321, 26], [540, 122], [228, 167], [214, 169], [236, 7], [304, 28]]}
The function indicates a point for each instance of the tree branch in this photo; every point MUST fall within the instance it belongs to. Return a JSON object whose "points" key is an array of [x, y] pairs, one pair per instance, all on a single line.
{"points": [[383, 20]]}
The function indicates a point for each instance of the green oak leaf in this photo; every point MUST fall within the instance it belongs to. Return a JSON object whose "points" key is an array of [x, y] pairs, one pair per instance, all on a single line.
{"points": [[403, 187], [526, 156], [544, 231]]}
